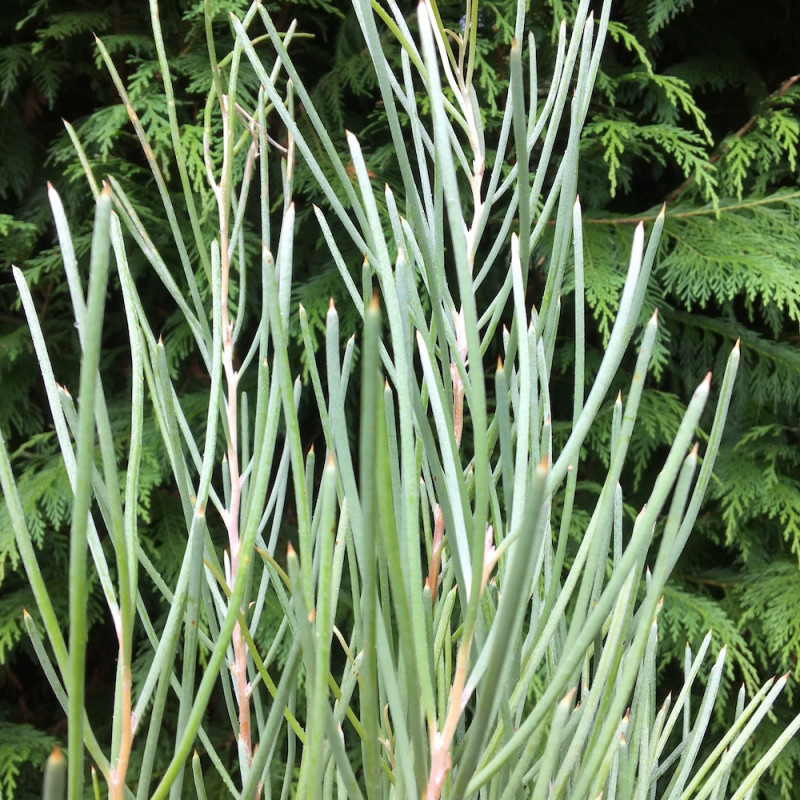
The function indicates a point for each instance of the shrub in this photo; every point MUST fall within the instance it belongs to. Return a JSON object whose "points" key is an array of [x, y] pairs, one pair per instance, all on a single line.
{"points": [[435, 627]]}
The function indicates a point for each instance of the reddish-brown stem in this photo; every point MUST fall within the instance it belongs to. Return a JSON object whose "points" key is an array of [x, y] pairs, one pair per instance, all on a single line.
{"points": [[116, 784], [231, 515], [779, 92], [442, 742]]}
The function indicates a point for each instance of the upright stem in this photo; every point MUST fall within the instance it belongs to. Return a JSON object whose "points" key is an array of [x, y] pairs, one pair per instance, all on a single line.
{"points": [[85, 439], [231, 514], [441, 742], [120, 769]]}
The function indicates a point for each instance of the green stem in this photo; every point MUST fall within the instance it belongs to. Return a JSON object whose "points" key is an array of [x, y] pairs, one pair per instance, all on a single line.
{"points": [[78, 589]]}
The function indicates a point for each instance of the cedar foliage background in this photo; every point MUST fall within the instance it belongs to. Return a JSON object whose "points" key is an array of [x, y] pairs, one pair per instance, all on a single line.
{"points": [[696, 106]]}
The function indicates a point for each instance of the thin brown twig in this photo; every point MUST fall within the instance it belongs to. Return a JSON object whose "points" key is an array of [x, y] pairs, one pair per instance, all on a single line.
{"points": [[695, 212], [725, 146]]}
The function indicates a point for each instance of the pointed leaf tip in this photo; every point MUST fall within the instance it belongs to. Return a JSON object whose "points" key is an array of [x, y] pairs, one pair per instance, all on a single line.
{"points": [[57, 754]]}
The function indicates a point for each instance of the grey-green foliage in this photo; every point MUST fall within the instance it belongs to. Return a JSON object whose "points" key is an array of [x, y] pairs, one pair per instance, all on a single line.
{"points": [[727, 270], [442, 632], [40, 39]]}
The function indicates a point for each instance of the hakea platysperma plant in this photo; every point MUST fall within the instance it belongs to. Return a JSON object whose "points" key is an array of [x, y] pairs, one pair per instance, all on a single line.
{"points": [[446, 631]]}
